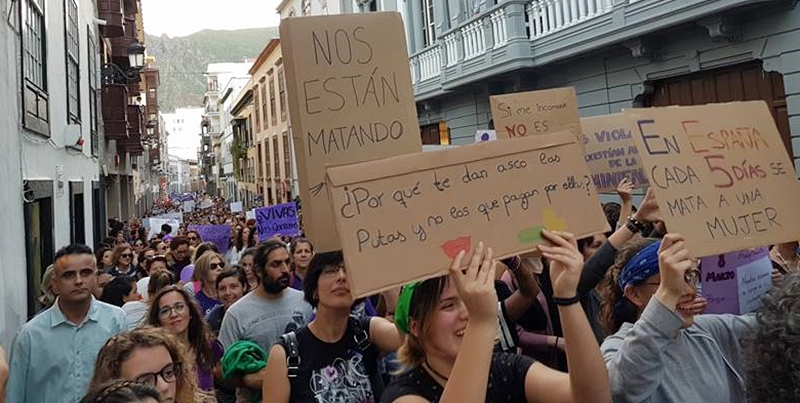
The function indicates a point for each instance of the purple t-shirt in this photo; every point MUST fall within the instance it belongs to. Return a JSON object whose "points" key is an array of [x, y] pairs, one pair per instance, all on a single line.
{"points": [[205, 377], [206, 303]]}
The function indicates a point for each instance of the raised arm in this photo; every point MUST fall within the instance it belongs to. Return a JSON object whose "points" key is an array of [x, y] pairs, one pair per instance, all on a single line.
{"points": [[587, 380], [470, 375]]}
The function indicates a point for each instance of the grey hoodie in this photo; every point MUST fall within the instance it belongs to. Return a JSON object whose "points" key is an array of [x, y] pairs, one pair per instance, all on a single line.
{"points": [[654, 360]]}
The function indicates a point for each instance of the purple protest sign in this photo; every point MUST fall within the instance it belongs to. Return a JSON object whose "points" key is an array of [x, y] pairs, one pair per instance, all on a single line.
{"points": [[220, 235], [734, 282], [280, 219]]}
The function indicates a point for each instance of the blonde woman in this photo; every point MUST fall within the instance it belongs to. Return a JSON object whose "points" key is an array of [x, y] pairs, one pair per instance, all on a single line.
{"points": [[153, 357]]}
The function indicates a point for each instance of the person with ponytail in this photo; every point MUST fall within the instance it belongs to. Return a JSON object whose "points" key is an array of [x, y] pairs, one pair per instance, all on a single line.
{"points": [[451, 324], [659, 350]]}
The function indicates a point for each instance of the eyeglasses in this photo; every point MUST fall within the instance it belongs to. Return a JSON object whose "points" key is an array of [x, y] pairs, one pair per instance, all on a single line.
{"points": [[166, 311], [692, 277], [72, 275], [214, 266], [126, 255], [169, 374]]}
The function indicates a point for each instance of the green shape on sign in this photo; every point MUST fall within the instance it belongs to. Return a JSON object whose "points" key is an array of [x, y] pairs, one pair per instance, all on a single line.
{"points": [[530, 235]]}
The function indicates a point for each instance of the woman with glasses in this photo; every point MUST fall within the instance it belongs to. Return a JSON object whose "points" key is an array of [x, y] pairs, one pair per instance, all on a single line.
{"points": [[194, 238], [334, 357], [665, 353], [175, 310], [206, 270], [152, 357], [122, 261]]}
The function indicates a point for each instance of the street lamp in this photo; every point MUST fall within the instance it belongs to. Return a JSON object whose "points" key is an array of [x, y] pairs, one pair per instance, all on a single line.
{"points": [[113, 74], [136, 55]]}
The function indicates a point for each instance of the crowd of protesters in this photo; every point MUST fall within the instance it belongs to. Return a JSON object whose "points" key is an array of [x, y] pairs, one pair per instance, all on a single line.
{"points": [[612, 317]]}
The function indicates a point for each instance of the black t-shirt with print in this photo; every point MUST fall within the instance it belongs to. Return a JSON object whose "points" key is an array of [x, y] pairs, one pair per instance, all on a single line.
{"points": [[506, 381], [335, 372]]}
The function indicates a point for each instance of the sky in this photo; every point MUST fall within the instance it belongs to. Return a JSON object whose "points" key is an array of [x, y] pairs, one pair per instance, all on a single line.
{"points": [[184, 17]]}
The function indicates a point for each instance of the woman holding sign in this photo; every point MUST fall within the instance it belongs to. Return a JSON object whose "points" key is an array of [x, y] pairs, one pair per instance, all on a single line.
{"points": [[648, 360], [334, 357], [451, 323]]}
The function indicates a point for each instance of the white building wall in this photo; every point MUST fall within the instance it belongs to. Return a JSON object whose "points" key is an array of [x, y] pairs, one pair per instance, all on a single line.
{"points": [[183, 127], [13, 308], [35, 157]]}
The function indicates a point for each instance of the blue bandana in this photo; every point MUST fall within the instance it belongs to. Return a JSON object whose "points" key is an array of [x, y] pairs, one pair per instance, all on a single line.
{"points": [[641, 266]]}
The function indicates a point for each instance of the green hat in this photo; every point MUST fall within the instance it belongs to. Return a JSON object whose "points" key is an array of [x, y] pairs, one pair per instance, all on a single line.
{"points": [[404, 306]]}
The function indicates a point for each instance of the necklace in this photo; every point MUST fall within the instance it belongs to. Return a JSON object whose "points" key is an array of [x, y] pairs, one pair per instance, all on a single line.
{"points": [[430, 368]]}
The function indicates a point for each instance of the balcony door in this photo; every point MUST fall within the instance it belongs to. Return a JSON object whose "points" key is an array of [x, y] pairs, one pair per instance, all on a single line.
{"points": [[742, 82]]}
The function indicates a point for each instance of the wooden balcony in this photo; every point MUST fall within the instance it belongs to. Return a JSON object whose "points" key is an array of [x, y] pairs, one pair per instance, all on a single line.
{"points": [[152, 78], [115, 111], [120, 44], [111, 12], [131, 8], [134, 89], [135, 122]]}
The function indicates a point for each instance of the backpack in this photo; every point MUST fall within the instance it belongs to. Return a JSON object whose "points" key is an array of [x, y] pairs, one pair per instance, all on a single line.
{"points": [[361, 337]]}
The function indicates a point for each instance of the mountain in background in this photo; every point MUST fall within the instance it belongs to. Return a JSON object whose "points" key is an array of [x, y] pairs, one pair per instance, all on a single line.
{"points": [[183, 60]]}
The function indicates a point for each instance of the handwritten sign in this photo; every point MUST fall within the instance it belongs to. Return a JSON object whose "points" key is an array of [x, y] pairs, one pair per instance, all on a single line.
{"points": [[188, 206], [236, 207], [735, 282], [611, 154], [404, 218], [720, 173], [280, 219], [350, 98], [220, 235], [535, 112], [251, 215], [154, 224]]}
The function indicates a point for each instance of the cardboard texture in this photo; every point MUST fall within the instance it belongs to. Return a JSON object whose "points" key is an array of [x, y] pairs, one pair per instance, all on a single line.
{"points": [[611, 154], [735, 282], [281, 219], [535, 112], [404, 218], [350, 98], [721, 175]]}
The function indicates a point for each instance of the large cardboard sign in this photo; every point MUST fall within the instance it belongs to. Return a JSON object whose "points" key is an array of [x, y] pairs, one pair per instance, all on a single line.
{"points": [[280, 219], [535, 112], [350, 99], [735, 282], [611, 154], [220, 235], [721, 175], [404, 218]]}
